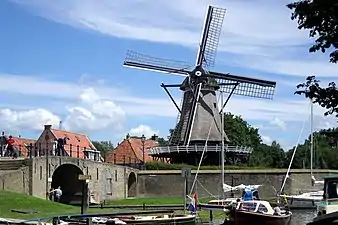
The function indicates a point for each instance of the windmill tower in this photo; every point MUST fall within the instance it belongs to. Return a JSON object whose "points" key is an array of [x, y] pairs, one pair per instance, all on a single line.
{"points": [[199, 117]]}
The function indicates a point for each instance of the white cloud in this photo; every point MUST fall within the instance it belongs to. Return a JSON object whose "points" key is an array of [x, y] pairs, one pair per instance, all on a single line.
{"points": [[89, 114], [143, 130], [27, 119], [266, 139], [278, 122], [263, 43], [95, 113]]}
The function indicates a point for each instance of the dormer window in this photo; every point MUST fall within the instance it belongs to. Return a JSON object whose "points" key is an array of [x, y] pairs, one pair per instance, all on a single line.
{"points": [[77, 138]]}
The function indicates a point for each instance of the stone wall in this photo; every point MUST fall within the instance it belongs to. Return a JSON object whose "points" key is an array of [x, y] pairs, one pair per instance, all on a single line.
{"points": [[171, 183], [15, 180]]}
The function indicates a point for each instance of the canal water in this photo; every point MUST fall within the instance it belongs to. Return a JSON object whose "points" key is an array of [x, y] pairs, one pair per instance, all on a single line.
{"points": [[302, 217]]}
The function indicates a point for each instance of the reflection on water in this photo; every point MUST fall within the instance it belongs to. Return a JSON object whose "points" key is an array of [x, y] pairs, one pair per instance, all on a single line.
{"points": [[302, 217]]}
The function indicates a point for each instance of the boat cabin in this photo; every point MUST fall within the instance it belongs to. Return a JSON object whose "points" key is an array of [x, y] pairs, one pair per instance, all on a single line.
{"points": [[256, 206], [329, 203]]}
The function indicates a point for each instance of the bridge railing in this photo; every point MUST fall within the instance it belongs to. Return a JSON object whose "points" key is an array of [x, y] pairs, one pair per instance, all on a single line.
{"points": [[199, 148], [36, 150]]}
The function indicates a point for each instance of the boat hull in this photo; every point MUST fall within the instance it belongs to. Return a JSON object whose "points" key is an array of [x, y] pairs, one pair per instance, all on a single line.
{"points": [[191, 220], [301, 204], [254, 218], [326, 219]]}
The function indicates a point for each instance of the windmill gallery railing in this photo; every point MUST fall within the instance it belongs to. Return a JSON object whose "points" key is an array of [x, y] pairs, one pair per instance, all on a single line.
{"points": [[199, 148]]}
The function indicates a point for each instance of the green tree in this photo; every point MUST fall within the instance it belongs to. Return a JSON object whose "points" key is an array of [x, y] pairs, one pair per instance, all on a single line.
{"points": [[104, 147], [325, 97], [268, 156], [162, 142], [240, 132], [321, 18], [325, 151]]}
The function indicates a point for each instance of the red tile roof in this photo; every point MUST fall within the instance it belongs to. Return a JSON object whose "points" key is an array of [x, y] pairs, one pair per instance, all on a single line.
{"points": [[131, 151], [74, 142], [22, 143]]}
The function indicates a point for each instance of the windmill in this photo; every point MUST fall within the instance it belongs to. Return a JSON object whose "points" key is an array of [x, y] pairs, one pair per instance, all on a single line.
{"points": [[199, 109]]}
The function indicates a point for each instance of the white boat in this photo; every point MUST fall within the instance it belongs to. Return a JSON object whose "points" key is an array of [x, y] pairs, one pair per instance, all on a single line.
{"points": [[327, 209], [307, 200], [159, 220], [228, 203]]}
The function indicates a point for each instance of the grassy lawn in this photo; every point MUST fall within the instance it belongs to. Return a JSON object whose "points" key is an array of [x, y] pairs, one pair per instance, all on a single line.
{"points": [[14, 201], [151, 201]]}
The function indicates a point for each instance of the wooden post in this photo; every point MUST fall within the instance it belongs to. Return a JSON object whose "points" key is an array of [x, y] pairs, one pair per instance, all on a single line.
{"points": [[211, 217], [186, 172], [85, 192]]}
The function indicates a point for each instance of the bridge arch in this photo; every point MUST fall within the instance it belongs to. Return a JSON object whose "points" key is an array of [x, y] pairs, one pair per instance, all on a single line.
{"points": [[66, 177], [132, 180]]}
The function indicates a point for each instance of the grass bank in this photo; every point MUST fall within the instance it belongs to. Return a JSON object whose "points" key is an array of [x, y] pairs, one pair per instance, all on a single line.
{"points": [[13, 201], [151, 201]]}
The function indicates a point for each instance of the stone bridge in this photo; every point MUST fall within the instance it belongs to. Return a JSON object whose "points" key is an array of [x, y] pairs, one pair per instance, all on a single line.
{"points": [[35, 176]]}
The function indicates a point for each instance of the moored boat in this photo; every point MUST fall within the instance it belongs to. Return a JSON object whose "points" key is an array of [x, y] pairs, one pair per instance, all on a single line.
{"points": [[327, 209], [160, 220], [227, 204], [259, 213]]}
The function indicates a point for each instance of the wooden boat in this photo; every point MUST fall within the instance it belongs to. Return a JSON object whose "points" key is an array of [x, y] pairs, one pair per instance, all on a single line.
{"points": [[259, 213], [159, 220]]}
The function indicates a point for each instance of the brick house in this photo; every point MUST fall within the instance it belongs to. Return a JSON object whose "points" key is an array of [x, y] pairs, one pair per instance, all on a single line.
{"points": [[74, 144], [22, 145], [130, 151]]}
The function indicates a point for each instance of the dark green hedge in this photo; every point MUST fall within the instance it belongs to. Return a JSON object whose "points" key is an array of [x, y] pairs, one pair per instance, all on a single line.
{"points": [[165, 166]]}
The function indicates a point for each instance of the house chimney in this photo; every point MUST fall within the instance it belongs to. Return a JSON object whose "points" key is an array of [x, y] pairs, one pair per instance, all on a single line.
{"points": [[128, 136], [154, 137], [60, 125], [48, 127]]}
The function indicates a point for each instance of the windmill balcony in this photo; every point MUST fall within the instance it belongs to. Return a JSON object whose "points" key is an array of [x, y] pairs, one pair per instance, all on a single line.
{"points": [[199, 148]]}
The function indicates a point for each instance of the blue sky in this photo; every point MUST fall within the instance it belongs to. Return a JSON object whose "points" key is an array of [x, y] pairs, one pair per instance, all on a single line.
{"points": [[62, 60]]}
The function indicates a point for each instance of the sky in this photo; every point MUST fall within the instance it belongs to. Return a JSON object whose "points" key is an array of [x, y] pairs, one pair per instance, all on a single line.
{"points": [[62, 61]]}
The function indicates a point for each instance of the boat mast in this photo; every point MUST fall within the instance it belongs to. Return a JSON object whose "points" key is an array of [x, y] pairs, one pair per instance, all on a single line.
{"points": [[222, 152], [311, 142]]}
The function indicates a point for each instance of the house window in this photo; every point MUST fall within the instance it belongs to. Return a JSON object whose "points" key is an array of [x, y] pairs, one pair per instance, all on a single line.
{"points": [[40, 172], [115, 175], [97, 173], [109, 186]]}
